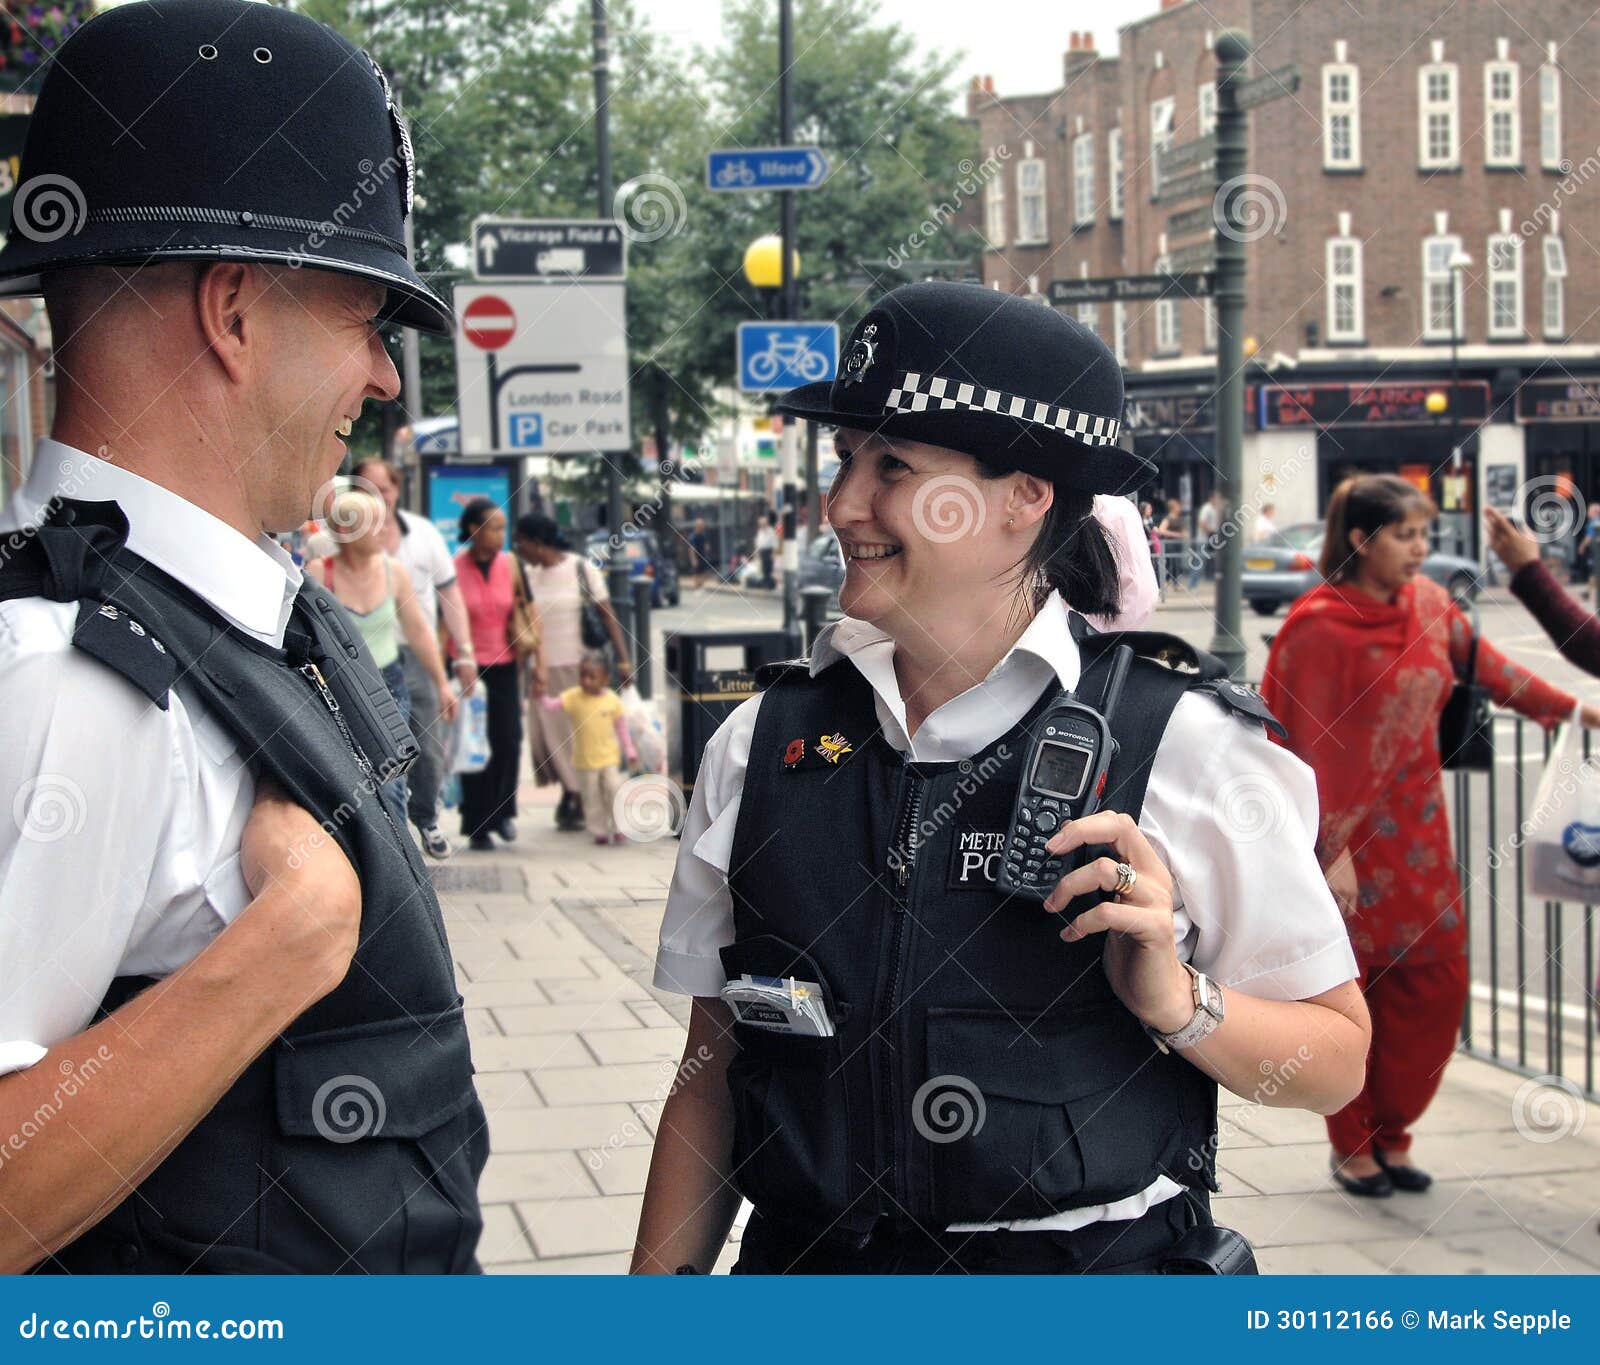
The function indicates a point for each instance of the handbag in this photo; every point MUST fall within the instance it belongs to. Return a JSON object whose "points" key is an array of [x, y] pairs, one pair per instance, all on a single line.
{"points": [[1466, 725], [522, 628], [592, 624]]}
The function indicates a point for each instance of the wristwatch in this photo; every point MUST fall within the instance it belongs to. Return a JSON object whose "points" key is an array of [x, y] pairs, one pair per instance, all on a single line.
{"points": [[1207, 1014]]}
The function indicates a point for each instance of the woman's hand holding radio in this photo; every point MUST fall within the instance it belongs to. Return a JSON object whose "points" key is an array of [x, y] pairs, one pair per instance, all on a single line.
{"points": [[1141, 957]]}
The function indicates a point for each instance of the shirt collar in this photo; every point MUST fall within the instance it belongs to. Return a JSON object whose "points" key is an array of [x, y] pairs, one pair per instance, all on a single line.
{"points": [[252, 583], [1047, 639]]}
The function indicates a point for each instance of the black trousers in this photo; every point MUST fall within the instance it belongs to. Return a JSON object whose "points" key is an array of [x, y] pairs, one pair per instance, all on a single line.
{"points": [[489, 797], [1128, 1246]]}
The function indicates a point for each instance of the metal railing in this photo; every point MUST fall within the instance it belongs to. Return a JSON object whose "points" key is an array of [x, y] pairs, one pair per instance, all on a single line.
{"points": [[1532, 1004]]}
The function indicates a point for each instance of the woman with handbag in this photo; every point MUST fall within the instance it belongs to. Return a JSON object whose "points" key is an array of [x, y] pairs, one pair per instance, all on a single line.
{"points": [[505, 635], [577, 617], [1362, 676]]}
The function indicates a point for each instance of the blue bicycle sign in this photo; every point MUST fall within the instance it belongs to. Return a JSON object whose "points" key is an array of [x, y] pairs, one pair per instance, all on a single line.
{"points": [[774, 356]]}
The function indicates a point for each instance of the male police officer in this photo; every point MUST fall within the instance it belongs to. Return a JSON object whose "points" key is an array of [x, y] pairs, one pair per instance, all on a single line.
{"points": [[218, 1050]]}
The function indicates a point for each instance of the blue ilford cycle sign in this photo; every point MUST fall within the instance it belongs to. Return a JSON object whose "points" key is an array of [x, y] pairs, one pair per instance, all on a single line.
{"points": [[774, 356], [766, 168]]}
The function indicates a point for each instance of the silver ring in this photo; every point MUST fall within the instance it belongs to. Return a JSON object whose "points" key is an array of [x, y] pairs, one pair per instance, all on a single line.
{"points": [[1126, 877]]}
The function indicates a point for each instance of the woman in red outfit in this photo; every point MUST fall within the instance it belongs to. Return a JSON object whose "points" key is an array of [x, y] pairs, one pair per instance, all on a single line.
{"points": [[1359, 675]]}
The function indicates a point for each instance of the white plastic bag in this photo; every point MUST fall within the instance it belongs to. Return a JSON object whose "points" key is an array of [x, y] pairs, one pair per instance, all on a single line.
{"points": [[649, 736], [469, 740], [1562, 830]]}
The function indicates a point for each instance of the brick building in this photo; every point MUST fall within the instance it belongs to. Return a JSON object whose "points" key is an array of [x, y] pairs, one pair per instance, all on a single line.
{"points": [[1416, 139]]}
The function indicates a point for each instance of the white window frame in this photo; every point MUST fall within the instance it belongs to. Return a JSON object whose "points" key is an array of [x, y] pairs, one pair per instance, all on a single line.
{"points": [[1083, 180], [1504, 281], [1162, 112], [1502, 119], [1348, 109], [1447, 108], [1119, 332], [1443, 246], [1205, 103], [1089, 316], [1550, 116], [1169, 322], [1340, 280], [1554, 308], [1114, 174], [1031, 203], [994, 210], [1208, 319]]}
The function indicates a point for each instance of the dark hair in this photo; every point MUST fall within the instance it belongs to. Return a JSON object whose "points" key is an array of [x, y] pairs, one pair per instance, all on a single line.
{"points": [[367, 461], [1070, 555], [542, 530], [473, 515], [1366, 503]]}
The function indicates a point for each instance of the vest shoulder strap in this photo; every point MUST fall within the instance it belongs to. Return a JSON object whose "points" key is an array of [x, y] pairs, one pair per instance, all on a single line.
{"points": [[67, 558]]}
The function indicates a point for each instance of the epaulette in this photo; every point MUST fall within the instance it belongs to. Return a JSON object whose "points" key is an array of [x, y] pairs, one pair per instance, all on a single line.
{"points": [[1243, 701], [120, 642], [767, 674]]}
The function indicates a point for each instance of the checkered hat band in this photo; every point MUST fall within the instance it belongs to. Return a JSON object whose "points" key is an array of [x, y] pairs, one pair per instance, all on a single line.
{"points": [[933, 393]]}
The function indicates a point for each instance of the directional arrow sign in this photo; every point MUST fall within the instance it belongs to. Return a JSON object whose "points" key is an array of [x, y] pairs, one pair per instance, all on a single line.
{"points": [[1190, 220], [548, 249], [1122, 287], [766, 168], [1187, 187], [1265, 89], [1171, 160], [1200, 256]]}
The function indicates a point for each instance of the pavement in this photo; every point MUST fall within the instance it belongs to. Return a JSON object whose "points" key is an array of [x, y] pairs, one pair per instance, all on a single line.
{"points": [[554, 939]]}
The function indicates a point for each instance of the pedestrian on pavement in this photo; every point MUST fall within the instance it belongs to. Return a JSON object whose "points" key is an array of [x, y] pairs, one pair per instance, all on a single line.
{"points": [[1174, 533], [1587, 557], [1574, 630], [1266, 523], [1359, 675], [1208, 524], [485, 572], [701, 548], [376, 590], [600, 741], [415, 542], [219, 990], [767, 547], [926, 1073], [576, 613]]}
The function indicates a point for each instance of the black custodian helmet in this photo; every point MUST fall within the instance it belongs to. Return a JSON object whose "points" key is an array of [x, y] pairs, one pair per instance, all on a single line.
{"points": [[217, 130], [998, 377]]}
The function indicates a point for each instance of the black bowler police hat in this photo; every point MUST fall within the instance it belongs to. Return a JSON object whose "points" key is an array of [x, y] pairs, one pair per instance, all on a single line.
{"points": [[216, 130], [1001, 378]]}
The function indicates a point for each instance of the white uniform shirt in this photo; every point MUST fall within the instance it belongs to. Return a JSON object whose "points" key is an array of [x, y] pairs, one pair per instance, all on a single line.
{"points": [[1231, 814], [120, 853]]}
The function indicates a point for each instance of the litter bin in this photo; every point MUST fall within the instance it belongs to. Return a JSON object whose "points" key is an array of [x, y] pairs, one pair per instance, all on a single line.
{"points": [[709, 672]]}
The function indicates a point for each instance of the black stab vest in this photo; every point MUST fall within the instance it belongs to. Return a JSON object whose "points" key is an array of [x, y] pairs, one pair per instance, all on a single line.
{"points": [[355, 1141], [983, 1070]]}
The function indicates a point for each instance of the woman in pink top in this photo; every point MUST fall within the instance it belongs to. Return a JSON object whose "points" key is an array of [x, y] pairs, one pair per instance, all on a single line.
{"points": [[483, 569]]}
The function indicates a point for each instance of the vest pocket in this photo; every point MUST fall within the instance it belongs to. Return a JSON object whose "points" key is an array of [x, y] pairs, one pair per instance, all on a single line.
{"points": [[1021, 1118], [791, 1138]]}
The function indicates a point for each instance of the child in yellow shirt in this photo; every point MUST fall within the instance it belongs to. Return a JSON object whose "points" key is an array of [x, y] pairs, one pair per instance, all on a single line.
{"points": [[599, 740]]}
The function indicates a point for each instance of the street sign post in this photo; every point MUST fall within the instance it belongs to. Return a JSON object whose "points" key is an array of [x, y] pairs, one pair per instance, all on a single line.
{"points": [[1198, 219], [1264, 89], [1171, 160], [1200, 257], [777, 356], [766, 168], [548, 249], [542, 369], [1122, 288], [1187, 187]]}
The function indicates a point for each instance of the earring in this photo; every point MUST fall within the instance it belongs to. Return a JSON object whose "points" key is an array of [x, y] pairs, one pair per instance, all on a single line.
{"points": [[1011, 521]]}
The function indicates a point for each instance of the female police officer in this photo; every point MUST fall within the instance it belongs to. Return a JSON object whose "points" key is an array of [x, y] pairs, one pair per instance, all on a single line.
{"points": [[927, 1073]]}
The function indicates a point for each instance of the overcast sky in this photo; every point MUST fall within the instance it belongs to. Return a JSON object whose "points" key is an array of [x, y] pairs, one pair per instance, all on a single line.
{"points": [[1018, 42]]}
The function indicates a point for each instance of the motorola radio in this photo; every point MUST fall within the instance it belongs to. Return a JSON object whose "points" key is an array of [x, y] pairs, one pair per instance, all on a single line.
{"points": [[1063, 779]]}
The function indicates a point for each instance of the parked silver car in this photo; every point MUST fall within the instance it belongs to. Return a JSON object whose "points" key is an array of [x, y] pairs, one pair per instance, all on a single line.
{"points": [[1284, 567]]}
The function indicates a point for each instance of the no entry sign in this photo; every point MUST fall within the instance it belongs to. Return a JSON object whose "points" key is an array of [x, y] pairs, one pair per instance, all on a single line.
{"points": [[488, 322]]}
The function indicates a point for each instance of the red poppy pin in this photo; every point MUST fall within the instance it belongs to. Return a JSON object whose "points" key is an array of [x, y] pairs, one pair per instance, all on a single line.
{"points": [[794, 753]]}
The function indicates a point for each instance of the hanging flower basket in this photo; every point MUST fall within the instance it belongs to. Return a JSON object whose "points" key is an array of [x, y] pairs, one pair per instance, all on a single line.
{"points": [[30, 35]]}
